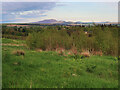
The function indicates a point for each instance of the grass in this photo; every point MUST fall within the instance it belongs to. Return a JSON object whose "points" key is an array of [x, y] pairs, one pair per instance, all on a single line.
{"points": [[50, 70], [13, 41]]}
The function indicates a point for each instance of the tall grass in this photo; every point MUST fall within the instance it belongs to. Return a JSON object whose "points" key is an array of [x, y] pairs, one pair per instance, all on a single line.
{"points": [[50, 70]]}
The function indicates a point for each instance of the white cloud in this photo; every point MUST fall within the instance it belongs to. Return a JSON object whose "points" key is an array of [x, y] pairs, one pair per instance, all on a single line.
{"points": [[25, 10], [89, 0], [29, 14], [30, 0]]}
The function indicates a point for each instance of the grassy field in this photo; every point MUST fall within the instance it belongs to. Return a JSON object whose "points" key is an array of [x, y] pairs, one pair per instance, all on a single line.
{"points": [[50, 70], [4, 41]]}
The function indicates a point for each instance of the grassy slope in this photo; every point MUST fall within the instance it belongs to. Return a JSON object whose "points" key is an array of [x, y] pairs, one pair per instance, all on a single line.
{"points": [[48, 69]]}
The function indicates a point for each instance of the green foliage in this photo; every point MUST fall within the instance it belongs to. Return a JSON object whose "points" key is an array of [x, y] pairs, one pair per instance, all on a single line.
{"points": [[14, 32], [98, 38], [49, 39]]}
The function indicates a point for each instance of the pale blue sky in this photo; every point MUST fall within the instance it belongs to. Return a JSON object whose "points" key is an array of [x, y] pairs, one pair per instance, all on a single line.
{"points": [[68, 11]]}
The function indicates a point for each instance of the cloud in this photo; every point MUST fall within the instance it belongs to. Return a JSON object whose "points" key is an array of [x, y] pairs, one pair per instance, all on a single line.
{"points": [[13, 10], [30, 0], [26, 6], [60, 0]]}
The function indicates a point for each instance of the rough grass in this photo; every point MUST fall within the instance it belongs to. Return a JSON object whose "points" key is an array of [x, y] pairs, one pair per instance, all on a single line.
{"points": [[50, 70], [13, 41], [18, 52]]}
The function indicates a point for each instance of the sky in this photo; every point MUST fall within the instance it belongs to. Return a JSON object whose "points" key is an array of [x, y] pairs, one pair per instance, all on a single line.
{"points": [[25, 12]]}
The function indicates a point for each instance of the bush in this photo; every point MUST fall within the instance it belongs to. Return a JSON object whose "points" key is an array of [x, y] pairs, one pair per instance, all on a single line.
{"points": [[101, 39]]}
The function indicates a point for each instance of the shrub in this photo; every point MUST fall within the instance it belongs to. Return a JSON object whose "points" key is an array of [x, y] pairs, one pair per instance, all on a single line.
{"points": [[103, 39]]}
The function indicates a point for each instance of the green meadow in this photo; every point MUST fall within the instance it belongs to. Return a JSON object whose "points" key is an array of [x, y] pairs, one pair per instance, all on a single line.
{"points": [[48, 69]]}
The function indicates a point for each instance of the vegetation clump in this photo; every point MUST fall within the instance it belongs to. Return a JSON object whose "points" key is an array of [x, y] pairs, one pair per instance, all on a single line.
{"points": [[18, 52], [102, 40]]}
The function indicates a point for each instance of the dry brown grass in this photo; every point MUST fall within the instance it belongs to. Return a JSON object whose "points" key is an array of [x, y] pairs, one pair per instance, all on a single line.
{"points": [[39, 50], [18, 52], [85, 53], [11, 44], [97, 53], [94, 52], [70, 53], [61, 51], [74, 51]]}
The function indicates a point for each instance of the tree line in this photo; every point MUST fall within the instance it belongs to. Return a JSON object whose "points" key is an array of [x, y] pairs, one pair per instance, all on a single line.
{"points": [[97, 38]]}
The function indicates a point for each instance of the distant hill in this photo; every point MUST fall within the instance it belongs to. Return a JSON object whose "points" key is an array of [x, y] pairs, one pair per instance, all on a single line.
{"points": [[54, 21], [48, 21]]}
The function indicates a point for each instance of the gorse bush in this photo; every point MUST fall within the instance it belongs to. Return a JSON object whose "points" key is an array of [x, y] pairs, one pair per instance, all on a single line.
{"points": [[102, 39]]}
